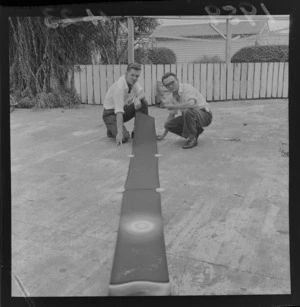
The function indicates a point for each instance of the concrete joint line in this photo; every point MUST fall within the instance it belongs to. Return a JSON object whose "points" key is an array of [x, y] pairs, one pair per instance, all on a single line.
{"points": [[122, 190]]}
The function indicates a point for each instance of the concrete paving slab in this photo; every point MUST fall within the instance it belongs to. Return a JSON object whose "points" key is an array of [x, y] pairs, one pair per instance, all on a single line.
{"points": [[225, 207], [191, 277], [49, 262]]}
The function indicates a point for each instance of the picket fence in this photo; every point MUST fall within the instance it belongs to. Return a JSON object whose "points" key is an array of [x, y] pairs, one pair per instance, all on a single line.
{"points": [[241, 81]]}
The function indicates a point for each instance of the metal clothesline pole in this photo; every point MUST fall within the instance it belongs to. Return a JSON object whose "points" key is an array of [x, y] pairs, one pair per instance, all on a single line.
{"points": [[228, 49]]}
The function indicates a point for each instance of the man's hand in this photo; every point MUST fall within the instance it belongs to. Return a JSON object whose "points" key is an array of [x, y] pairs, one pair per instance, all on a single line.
{"points": [[129, 99], [160, 137], [170, 106], [137, 104], [119, 139]]}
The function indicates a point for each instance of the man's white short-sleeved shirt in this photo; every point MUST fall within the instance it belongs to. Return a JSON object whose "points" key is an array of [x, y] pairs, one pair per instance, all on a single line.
{"points": [[187, 92], [117, 95]]}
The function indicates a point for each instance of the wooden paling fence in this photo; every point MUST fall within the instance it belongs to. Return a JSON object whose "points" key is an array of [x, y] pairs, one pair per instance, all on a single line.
{"points": [[240, 81]]}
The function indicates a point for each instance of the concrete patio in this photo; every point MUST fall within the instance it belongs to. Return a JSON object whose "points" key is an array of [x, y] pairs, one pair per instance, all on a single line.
{"points": [[225, 207]]}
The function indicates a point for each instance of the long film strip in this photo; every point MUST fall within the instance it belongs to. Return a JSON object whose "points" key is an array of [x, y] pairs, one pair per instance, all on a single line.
{"points": [[140, 263]]}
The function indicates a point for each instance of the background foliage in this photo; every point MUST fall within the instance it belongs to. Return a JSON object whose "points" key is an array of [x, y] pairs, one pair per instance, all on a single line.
{"points": [[41, 57], [263, 53]]}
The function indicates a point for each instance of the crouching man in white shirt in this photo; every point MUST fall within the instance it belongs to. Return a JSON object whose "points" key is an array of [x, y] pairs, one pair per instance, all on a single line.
{"points": [[121, 101], [195, 111]]}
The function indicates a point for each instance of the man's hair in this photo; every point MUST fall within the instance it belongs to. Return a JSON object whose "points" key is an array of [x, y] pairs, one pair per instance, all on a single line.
{"points": [[135, 66], [167, 75]]}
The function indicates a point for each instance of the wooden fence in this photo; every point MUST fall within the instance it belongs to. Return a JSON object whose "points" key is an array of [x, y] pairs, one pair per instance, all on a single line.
{"points": [[241, 81]]}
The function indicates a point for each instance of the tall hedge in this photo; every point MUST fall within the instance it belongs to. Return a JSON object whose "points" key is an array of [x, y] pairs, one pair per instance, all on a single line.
{"points": [[141, 56], [263, 53], [162, 55]]}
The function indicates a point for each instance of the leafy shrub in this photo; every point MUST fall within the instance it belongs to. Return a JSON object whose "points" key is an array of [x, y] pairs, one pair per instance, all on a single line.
{"points": [[53, 99], [263, 53], [22, 99], [26, 103], [71, 99], [141, 56], [162, 55]]}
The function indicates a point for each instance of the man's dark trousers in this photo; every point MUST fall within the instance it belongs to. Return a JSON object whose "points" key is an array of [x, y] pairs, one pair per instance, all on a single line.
{"points": [[110, 119], [190, 124]]}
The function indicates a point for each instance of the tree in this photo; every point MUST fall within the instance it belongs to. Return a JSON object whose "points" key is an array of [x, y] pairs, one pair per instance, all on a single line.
{"points": [[41, 57], [39, 54], [113, 48]]}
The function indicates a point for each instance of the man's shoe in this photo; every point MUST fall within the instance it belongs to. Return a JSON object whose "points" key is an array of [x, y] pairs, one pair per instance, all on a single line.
{"points": [[109, 134], [190, 143]]}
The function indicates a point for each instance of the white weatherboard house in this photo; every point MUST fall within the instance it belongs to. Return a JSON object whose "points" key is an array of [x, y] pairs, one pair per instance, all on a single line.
{"points": [[191, 42]]}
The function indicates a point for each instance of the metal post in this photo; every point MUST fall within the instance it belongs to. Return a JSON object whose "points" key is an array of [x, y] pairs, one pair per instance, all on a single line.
{"points": [[130, 40], [228, 42], [228, 48]]}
